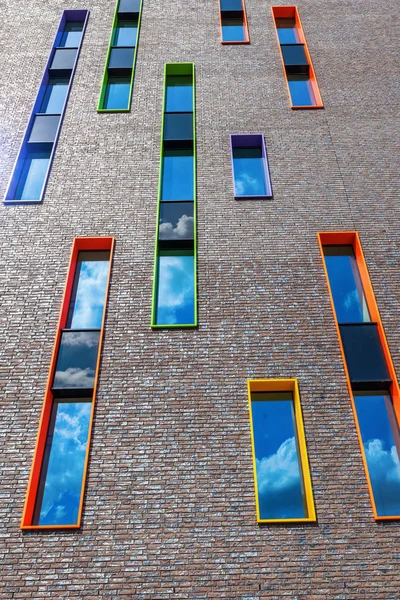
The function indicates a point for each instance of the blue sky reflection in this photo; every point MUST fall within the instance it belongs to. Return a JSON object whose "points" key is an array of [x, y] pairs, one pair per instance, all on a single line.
{"points": [[76, 362], [87, 302], [249, 172], [279, 481], [178, 175], [59, 504], [175, 299], [179, 94]]}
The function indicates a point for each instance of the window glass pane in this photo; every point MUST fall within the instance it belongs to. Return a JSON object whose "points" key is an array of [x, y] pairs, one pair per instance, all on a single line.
{"points": [[176, 221], [249, 172], [300, 90], [178, 175], [60, 482], [381, 441], [125, 34], [287, 31], [175, 298], [72, 34], [232, 30], [179, 94], [32, 176], [88, 293], [76, 362], [346, 287], [54, 96], [279, 476], [117, 92]]}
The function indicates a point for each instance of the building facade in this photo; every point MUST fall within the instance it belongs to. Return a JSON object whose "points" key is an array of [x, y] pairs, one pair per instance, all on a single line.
{"points": [[169, 506]]}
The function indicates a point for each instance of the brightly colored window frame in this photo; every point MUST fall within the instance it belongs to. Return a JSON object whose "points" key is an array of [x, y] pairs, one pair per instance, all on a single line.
{"points": [[250, 142], [123, 73], [80, 245], [291, 12], [277, 386], [237, 14], [351, 238], [176, 248], [32, 167]]}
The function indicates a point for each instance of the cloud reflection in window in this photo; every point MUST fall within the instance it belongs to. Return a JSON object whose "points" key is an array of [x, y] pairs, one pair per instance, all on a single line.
{"points": [[175, 301]]}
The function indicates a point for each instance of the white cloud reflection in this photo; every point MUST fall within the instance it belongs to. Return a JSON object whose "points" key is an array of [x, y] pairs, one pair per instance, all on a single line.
{"points": [[182, 231], [74, 377], [89, 301], [280, 470]]}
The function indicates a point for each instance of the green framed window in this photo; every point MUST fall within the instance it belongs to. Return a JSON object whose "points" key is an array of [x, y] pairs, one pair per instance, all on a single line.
{"points": [[119, 72], [174, 288]]}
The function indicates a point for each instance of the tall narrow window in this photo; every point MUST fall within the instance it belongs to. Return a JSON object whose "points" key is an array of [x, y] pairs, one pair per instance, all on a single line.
{"points": [[250, 167], [372, 382], [116, 90], [32, 168], [281, 471], [56, 487], [297, 65], [174, 291], [233, 18]]}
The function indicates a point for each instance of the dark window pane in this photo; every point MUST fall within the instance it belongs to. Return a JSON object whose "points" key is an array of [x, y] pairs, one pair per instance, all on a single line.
{"points": [[76, 362], [54, 96], [178, 126], [117, 93], [346, 287], [249, 173], [44, 128], [60, 482], [381, 441], [365, 360], [33, 173], [121, 58], [287, 31], [178, 175], [300, 90], [88, 292], [279, 475], [294, 55], [232, 30], [175, 298], [71, 37], [179, 94], [176, 221], [63, 60], [125, 34]]}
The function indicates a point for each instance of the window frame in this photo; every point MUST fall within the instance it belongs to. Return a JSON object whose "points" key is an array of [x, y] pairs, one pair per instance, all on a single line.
{"points": [[284, 385], [283, 12], [252, 140], [79, 244], [351, 238], [245, 27]]}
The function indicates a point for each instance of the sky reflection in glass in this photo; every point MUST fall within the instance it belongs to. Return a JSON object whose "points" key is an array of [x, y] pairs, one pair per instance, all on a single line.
{"points": [[233, 30], [54, 97], [178, 175], [87, 299], [179, 94], [249, 173], [279, 479], [346, 287], [176, 221], [125, 34], [381, 441], [175, 299], [72, 34], [117, 93], [61, 482], [76, 362], [32, 176], [287, 31], [300, 90]]}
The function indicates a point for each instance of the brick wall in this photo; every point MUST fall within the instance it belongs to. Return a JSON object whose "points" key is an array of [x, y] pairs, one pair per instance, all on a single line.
{"points": [[169, 509]]}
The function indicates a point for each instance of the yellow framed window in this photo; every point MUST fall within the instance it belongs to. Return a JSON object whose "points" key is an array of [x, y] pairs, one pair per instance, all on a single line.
{"points": [[281, 472]]}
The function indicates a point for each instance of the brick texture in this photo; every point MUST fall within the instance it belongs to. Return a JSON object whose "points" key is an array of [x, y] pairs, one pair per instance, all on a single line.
{"points": [[169, 510]]}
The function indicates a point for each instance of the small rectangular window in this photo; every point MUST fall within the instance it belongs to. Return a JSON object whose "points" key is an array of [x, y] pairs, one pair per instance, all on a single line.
{"points": [[55, 497], [119, 71], [281, 472], [234, 29], [32, 167], [297, 65], [250, 167], [174, 288], [372, 381]]}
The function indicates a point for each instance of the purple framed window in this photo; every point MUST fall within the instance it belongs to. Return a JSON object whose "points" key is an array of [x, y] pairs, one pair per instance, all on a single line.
{"points": [[250, 167], [32, 167]]}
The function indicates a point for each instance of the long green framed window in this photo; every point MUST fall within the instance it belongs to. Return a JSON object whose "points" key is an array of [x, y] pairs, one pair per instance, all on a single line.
{"points": [[119, 72], [174, 289]]}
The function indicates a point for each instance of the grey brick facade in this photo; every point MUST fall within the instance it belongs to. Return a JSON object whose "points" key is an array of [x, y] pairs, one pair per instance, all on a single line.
{"points": [[169, 510]]}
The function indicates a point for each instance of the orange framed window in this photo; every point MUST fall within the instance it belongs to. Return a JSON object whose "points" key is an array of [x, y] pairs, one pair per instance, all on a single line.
{"points": [[233, 20], [282, 478], [370, 374], [296, 60], [56, 486]]}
